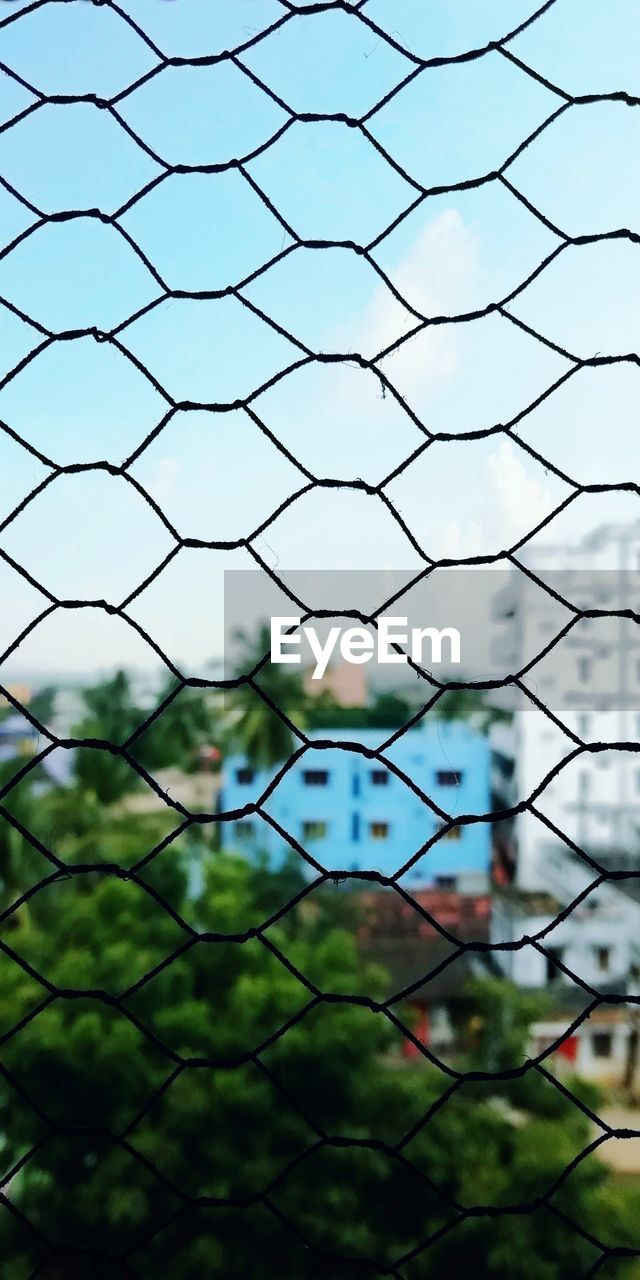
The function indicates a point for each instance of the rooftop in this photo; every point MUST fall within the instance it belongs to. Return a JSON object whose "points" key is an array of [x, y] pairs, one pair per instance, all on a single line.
{"points": [[529, 902]]}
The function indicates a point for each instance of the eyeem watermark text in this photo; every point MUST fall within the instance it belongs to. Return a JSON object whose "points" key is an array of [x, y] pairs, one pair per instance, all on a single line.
{"points": [[393, 642]]}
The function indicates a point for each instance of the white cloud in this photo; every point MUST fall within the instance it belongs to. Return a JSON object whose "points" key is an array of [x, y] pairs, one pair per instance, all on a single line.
{"points": [[429, 276], [511, 500], [458, 541], [520, 500]]}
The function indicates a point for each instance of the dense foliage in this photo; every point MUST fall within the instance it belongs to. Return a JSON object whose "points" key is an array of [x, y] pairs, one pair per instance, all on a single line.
{"points": [[155, 1121]]}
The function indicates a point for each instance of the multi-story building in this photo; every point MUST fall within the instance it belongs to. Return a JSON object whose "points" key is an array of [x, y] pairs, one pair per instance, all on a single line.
{"points": [[585, 820], [351, 812], [594, 947], [590, 682], [598, 940]]}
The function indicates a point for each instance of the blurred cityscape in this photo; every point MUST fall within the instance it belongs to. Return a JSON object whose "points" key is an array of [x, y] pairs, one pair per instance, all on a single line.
{"points": [[435, 900], [544, 891], [319, 978]]}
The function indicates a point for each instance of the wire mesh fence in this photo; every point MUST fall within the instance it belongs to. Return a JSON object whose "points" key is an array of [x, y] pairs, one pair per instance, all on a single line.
{"points": [[134, 1100]]}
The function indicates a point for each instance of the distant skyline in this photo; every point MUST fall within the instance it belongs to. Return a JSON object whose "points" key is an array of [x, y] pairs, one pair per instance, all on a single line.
{"points": [[216, 476]]}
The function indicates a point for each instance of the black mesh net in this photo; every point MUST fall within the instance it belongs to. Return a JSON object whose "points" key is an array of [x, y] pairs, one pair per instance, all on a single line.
{"points": [[112, 1123]]}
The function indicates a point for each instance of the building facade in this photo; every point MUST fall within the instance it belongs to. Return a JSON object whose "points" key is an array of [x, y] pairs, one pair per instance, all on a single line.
{"points": [[352, 813], [590, 681], [406, 938], [598, 941]]}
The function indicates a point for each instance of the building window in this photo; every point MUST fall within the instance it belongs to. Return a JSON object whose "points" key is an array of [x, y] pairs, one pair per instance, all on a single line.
{"points": [[602, 1044], [446, 882], [245, 776], [379, 778], [244, 830], [584, 783], [355, 784], [314, 830], [379, 830], [355, 827], [315, 777], [554, 956], [603, 959], [584, 669], [448, 778], [638, 780], [583, 725]]}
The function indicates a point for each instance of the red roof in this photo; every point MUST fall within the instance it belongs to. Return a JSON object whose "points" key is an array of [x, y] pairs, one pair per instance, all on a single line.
{"points": [[386, 913]]}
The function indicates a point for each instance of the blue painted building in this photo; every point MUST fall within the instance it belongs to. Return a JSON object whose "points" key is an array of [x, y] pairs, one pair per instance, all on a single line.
{"points": [[350, 812]]}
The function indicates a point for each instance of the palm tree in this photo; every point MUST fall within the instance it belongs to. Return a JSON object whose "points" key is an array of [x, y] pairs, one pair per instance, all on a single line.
{"points": [[254, 725], [189, 721], [111, 716]]}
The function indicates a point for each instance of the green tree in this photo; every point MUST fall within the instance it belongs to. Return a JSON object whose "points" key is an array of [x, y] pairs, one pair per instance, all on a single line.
{"points": [[42, 704], [20, 862], [177, 1127], [512, 1139], [254, 727], [386, 711], [112, 716], [173, 737], [189, 721]]}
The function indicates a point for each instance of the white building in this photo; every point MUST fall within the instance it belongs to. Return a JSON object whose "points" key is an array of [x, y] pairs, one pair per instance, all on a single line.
{"points": [[582, 689], [598, 941], [590, 682], [603, 1048]]}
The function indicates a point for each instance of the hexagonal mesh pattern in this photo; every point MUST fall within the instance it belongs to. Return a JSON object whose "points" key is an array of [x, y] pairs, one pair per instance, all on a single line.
{"points": [[170, 164]]}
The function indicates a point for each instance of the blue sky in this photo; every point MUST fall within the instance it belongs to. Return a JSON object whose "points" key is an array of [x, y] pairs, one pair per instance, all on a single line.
{"points": [[216, 475]]}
